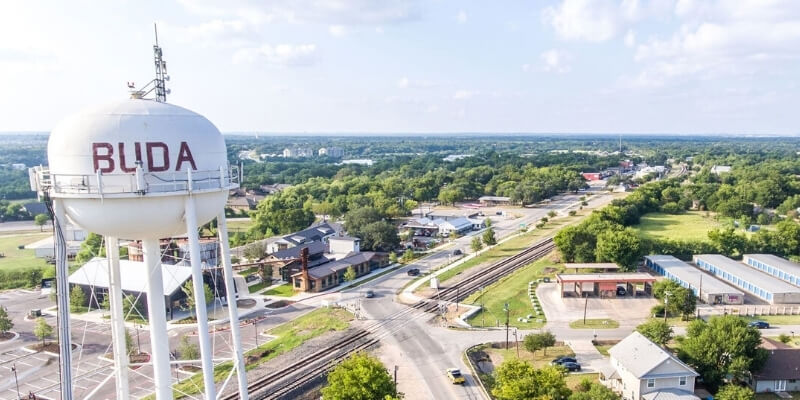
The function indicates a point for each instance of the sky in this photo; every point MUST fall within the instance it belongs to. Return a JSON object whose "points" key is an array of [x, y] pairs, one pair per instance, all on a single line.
{"points": [[415, 66]]}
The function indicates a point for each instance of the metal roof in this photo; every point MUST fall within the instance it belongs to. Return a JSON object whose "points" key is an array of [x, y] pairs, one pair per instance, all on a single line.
{"points": [[745, 273], [609, 277], [670, 394], [326, 269], [133, 275], [693, 277], [776, 262], [639, 355]]}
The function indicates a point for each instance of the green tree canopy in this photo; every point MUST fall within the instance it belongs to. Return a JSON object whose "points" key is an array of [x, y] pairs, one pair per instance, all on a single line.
{"points": [[588, 390], [622, 247], [188, 290], [735, 392], [5, 321], [42, 330], [723, 346], [360, 377], [188, 350], [40, 220], [539, 341], [488, 237], [518, 380], [476, 244], [656, 330], [77, 298], [349, 274]]}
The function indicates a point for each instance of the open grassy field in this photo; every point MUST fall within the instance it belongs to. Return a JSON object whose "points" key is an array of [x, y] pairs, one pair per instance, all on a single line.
{"points": [[284, 290], [693, 225], [20, 268], [539, 359], [239, 225], [512, 289]]}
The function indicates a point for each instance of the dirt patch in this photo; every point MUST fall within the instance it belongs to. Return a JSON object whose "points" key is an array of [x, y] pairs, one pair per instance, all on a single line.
{"points": [[279, 304], [190, 368], [549, 270], [6, 336], [245, 303], [51, 347], [481, 360]]}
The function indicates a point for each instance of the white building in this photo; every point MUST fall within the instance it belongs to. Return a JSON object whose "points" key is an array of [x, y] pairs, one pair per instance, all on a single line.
{"points": [[333, 152], [459, 225], [643, 370], [288, 153], [720, 169]]}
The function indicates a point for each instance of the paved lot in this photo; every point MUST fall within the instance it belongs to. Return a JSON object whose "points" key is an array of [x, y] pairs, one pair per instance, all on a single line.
{"points": [[628, 311]]}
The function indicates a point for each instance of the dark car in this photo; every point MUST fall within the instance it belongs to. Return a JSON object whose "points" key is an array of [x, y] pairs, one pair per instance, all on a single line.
{"points": [[759, 324], [457, 252], [621, 291], [571, 366], [369, 294], [562, 360], [413, 272]]}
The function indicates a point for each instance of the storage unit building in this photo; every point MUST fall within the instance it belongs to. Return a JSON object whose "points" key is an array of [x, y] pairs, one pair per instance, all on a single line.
{"points": [[780, 268], [761, 285], [707, 288]]}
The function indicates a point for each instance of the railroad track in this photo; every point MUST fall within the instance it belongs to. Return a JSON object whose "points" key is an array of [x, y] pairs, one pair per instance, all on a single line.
{"points": [[283, 382]]}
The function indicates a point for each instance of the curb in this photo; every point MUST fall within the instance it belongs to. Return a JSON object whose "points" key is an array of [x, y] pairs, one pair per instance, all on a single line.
{"points": [[475, 371]]}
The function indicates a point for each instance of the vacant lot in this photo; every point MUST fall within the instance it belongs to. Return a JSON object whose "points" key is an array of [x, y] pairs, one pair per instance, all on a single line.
{"points": [[513, 289], [19, 267], [693, 225]]}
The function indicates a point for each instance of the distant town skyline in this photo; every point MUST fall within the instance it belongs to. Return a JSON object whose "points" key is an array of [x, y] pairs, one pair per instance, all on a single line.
{"points": [[416, 67]]}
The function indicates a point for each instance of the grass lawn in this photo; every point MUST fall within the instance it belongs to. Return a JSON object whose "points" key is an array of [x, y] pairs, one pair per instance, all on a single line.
{"points": [[773, 396], [776, 319], [288, 337], [603, 348], [539, 359], [15, 263], [239, 226], [248, 271], [690, 226], [794, 341], [258, 287], [284, 290], [512, 289], [601, 323]]}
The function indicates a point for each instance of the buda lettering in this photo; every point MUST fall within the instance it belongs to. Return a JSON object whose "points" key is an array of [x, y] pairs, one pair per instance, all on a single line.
{"points": [[157, 157]]}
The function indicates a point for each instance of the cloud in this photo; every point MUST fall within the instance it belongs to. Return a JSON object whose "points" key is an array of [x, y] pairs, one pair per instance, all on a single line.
{"points": [[590, 20], [406, 83], [630, 38], [555, 60], [282, 54], [461, 17], [464, 94], [337, 30], [403, 83]]}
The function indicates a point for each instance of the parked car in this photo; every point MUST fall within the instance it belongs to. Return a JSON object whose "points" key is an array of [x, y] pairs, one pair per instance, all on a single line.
{"points": [[455, 375], [546, 280], [413, 272], [759, 324], [457, 252], [369, 294], [571, 366], [563, 359], [621, 291]]}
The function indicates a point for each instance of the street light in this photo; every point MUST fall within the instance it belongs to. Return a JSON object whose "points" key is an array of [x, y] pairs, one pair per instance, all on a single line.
{"points": [[138, 343], [666, 301], [14, 369], [506, 310]]}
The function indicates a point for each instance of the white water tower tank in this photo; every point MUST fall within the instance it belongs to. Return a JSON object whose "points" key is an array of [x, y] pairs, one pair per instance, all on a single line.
{"points": [[93, 168]]}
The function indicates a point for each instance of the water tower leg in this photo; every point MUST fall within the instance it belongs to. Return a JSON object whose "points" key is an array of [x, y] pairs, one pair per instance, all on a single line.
{"points": [[117, 318], [157, 317], [233, 312], [62, 286], [206, 355]]}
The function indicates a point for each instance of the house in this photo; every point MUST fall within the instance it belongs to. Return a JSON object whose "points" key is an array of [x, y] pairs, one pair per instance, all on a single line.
{"points": [[644, 370], [315, 233], [781, 372], [458, 225], [242, 200], [272, 189], [720, 169], [494, 200]]}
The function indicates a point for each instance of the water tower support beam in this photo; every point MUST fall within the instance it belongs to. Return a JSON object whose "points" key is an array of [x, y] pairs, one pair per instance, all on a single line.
{"points": [[117, 318], [62, 286], [233, 312], [201, 312], [157, 317]]}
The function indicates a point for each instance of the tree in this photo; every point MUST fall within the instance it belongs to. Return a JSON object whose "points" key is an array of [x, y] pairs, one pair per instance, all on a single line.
{"points": [[188, 350], [128, 342], [40, 220], [408, 256], [188, 290], [349, 274], [42, 330], [680, 301], [551, 213], [131, 306], [539, 341], [77, 298], [392, 257], [255, 251], [488, 237], [588, 390], [488, 222], [518, 380], [379, 236], [476, 244], [735, 392], [282, 212], [723, 346], [265, 272], [622, 247], [5, 321], [90, 248], [360, 377], [656, 330]]}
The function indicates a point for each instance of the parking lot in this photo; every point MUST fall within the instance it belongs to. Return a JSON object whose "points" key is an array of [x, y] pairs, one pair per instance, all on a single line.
{"points": [[627, 310]]}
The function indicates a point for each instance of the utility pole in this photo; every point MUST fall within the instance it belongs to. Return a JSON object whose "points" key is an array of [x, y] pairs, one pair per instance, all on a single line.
{"points": [[585, 306], [700, 290], [666, 301], [395, 375], [138, 342], [255, 330], [506, 310], [516, 340], [14, 369]]}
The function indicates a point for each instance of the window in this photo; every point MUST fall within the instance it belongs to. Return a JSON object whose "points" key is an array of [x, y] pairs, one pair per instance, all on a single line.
{"points": [[682, 381], [651, 383]]}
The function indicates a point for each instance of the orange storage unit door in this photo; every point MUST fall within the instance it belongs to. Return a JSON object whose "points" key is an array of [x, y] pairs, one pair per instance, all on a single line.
{"points": [[608, 286]]}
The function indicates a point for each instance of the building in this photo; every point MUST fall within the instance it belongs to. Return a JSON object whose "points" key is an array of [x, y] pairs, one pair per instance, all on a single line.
{"points": [[45, 248], [242, 200], [422, 227], [707, 288], [456, 157], [644, 370], [458, 225], [343, 245], [289, 153], [781, 371], [93, 278], [604, 285], [759, 284], [361, 161], [720, 169], [604, 267], [592, 176], [780, 268], [328, 275], [494, 200], [448, 215], [333, 152], [275, 188], [287, 262], [298, 152], [315, 233]]}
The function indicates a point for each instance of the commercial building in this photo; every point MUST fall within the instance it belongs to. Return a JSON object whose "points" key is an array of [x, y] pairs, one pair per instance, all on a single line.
{"points": [[315, 233], [325, 276], [605, 285], [761, 285], [458, 225], [645, 370], [494, 200], [780, 268], [707, 288]]}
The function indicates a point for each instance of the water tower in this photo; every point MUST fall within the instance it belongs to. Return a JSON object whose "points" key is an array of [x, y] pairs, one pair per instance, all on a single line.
{"points": [[141, 169]]}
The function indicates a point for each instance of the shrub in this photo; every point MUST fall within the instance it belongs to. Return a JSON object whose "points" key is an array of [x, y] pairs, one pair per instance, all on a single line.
{"points": [[784, 338]]}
